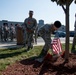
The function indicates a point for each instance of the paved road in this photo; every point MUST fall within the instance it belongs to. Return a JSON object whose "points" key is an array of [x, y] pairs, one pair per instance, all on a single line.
{"points": [[62, 40], [39, 42]]}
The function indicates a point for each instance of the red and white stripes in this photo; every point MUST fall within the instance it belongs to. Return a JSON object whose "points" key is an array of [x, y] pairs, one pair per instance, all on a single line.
{"points": [[56, 46]]}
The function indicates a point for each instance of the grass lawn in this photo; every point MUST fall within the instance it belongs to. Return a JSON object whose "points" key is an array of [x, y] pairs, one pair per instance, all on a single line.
{"points": [[10, 56]]}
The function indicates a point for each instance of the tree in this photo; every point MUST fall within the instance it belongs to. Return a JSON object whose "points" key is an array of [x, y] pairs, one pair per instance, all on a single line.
{"points": [[65, 4]]}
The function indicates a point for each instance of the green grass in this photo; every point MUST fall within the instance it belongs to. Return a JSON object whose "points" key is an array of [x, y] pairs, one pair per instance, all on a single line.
{"points": [[10, 56]]}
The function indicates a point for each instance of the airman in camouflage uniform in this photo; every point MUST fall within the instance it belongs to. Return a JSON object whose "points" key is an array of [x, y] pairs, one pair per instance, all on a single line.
{"points": [[74, 39], [45, 32], [6, 31], [30, 24], [12, 32]]}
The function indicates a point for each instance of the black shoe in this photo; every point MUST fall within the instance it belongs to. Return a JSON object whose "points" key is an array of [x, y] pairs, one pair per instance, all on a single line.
{"points": [[31, 47], [28, 49], [24, 45], [40, 59]]}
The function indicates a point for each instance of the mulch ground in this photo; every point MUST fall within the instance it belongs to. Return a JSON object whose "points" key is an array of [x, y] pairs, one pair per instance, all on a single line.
{"points": [[31, 67]]}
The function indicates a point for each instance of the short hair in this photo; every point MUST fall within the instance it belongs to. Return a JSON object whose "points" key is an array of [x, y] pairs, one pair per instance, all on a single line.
{"points": [[30, 11], [57, 24]]}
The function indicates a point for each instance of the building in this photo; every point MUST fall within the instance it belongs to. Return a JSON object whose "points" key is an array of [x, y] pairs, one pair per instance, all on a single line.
{"points": [[9, 22], [41, 23]]}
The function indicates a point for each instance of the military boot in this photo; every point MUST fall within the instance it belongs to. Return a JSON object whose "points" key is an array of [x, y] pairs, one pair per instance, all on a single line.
{"points": [[42, 56]]}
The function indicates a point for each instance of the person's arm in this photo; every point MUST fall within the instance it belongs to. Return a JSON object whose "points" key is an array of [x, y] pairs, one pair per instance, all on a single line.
{"points": [[36, 29], [36, 34], [25, 25], [35, 25]]}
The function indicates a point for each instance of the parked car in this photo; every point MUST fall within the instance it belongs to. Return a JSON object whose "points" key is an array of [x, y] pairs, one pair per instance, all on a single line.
{"points": [[60, 33], [72, 33], [63, 34]]}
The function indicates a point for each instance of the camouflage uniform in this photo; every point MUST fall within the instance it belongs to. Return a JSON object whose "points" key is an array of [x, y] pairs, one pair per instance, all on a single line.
{"points": [[45, 32], [1, 33], [6, 32], [74, 39], [12, 32], [30, 26]]}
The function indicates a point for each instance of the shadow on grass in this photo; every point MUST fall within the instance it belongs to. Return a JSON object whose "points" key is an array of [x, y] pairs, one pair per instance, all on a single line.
{"points": [[11, 53], [10, 48]]}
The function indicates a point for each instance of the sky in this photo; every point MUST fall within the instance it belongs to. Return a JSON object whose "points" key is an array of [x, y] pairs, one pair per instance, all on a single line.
{"points": [[17, 10]]}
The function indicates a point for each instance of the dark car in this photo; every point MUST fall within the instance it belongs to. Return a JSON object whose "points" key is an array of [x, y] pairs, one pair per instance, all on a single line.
{"points": [[72, 33], [63, 34], [60, 33]]}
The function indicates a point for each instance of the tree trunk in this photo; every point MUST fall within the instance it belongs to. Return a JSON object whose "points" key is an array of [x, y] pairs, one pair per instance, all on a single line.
{"points": [[67, 32]]}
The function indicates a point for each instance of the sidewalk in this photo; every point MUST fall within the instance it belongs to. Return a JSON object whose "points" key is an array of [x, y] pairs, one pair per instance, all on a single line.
{"points": [[6, 45], [14, 44]]}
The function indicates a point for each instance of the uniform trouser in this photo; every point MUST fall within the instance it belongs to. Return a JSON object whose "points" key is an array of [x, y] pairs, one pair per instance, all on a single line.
{"points": [[74, 42], [1, 36], [24, 38], [47, 45], [29, 39], [11, 36], [6, 36]]}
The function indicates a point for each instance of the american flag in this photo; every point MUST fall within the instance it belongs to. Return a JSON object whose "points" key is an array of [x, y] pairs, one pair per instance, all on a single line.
{"points": [[56, 46]]}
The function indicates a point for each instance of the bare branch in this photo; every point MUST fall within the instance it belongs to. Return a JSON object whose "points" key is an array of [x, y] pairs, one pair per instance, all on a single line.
{"points": [[64, 9]]}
